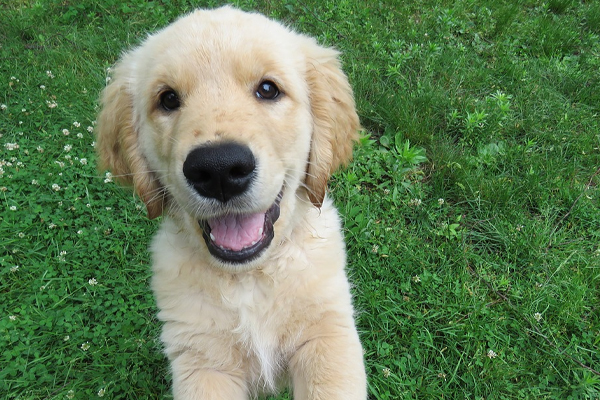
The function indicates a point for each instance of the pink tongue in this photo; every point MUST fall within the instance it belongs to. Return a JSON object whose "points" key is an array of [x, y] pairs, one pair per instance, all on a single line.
{"points": [[236, 232]]}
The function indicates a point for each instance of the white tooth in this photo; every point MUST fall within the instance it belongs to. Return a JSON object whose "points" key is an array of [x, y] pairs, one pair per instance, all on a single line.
{"points": [[260, 231], [212, 237]]}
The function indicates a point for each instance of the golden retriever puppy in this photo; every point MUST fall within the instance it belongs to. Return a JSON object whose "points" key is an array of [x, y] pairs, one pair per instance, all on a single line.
{"points": [[229, 124]]}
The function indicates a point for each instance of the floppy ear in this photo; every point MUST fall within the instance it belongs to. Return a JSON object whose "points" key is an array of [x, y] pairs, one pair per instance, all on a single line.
{"points": [[117, 143], [335, 122]]}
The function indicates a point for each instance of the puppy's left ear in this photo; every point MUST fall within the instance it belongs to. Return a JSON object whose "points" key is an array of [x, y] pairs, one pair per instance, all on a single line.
{"points": [[335, 122]]}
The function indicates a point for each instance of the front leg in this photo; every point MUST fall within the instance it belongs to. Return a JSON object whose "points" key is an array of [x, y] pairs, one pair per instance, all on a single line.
{"points": [[193, 382], [330, 366]]}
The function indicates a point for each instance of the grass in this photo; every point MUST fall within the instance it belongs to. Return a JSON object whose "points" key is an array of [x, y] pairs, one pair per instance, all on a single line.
{"points": [[471, 208]]}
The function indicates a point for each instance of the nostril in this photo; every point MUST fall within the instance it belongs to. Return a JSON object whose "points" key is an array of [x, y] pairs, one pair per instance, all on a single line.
{"points": [[240, 171], [203, 176]]}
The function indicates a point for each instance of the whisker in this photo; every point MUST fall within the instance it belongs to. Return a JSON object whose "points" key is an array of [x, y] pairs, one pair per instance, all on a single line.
{"points": [[131, 174]]}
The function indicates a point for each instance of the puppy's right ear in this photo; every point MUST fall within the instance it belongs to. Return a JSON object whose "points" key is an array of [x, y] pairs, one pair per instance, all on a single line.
{"points": [[117, 142]]}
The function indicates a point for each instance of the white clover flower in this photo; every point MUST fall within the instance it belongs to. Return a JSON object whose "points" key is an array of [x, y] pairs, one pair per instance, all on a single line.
{"points": [[80, 135], [375, 248], [14, 268], [108, 177], [65, 132], [43, 87], [83, 161], [11, 146], [85, 346], [93, 282], [93, 144], [3, 107], [55, 187], [68, 147], [441, 201], [52, 225], [386, 372], [23, 110], [60, 164], [13, 208], [66, 338], [12, 317], [415, 202], [51, 104], [492, 354], [90, 129], [21, 235], [79, 232], [101, 392], [76, 124], [416, 279], [40, 149], [537, 316], [50, 74], [70, 394]]}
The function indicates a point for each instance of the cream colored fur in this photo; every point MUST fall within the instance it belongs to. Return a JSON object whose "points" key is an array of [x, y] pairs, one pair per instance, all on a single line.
{"points": [[286, 318]]}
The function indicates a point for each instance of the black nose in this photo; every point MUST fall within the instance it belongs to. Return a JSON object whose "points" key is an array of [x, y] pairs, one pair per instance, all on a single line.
{"points": [[220, 171]]}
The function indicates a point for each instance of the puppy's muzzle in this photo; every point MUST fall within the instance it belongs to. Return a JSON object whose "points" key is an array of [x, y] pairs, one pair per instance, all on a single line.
{"points": [[223, 171], [220, 171]]}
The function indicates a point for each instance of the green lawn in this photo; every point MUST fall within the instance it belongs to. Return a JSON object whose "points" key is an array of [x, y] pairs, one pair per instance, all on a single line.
{"points": [[471, 208]]}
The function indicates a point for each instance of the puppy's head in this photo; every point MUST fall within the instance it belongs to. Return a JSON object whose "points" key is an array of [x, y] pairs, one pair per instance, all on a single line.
{"points": [[227, 121]]}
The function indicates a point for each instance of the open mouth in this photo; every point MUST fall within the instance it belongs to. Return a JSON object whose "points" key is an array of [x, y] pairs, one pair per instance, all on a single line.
{"points": [[240, 238]]}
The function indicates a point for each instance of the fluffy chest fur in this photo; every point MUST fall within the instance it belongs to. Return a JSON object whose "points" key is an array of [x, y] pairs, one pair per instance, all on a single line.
{"points": [[257, 319]]}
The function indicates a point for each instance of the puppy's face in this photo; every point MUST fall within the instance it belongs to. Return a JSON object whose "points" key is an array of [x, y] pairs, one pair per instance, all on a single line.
{"points": [[226, 119]]}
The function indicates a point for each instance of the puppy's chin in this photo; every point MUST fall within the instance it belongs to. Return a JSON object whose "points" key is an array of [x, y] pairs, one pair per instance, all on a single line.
{"points": [[248, 266]]}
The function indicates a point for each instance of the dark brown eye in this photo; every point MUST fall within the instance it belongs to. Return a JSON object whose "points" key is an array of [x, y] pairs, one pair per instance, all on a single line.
{"points": [[267, 90], [169, 100]]}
